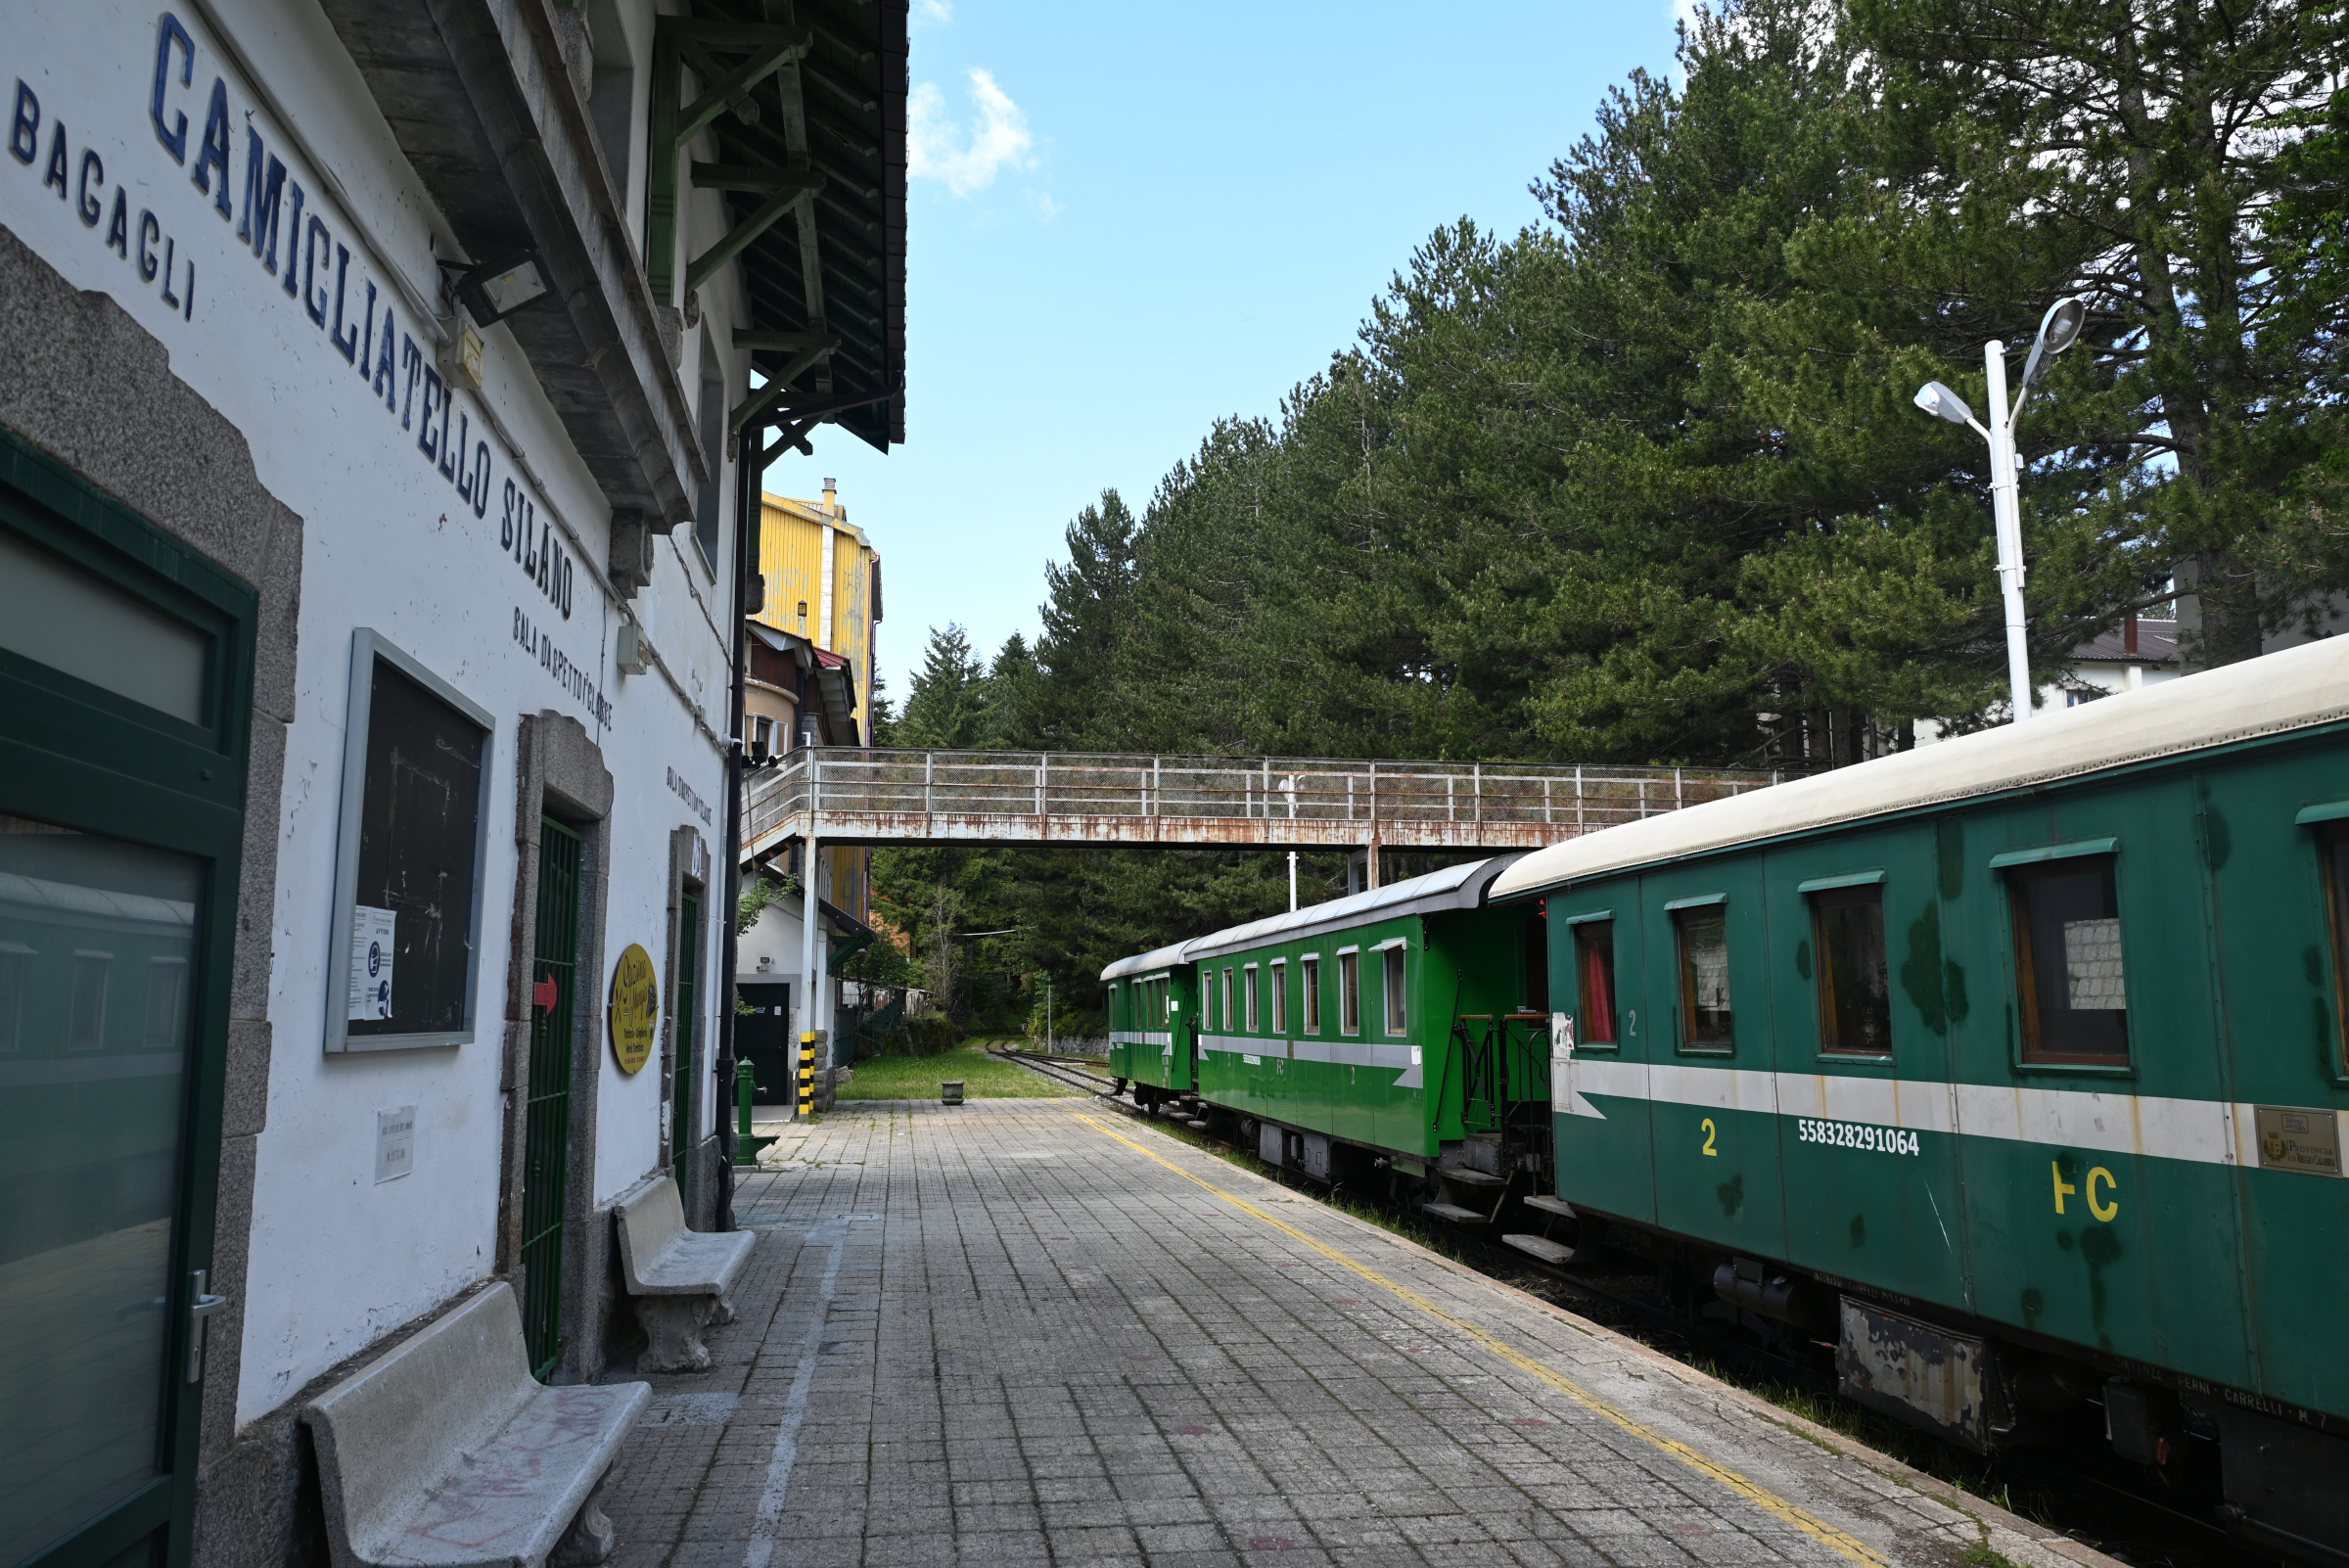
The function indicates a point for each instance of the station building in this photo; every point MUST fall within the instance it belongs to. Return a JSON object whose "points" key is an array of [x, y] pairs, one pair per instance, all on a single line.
{"points": [[810, 682], [387, 384]]}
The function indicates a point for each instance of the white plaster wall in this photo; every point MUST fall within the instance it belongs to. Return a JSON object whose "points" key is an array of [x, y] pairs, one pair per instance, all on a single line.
{"points": [[335, 1258], [775, 937]]}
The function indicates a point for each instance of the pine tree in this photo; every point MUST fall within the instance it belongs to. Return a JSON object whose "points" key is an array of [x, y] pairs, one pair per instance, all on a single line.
{"points": [[946, 707], [1084, 617], [2142, 150]]}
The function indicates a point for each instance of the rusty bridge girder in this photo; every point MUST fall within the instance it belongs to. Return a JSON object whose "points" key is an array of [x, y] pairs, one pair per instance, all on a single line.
{"points": [[879, 794]]}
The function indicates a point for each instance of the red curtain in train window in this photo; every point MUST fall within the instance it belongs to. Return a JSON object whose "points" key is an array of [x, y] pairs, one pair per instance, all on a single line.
{"points": [[1594, 967]]}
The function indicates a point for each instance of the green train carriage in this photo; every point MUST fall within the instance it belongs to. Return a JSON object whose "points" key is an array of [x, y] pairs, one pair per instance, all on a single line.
{"points": [[2014, 1066], [1153, 1008], [1402, 1028]]}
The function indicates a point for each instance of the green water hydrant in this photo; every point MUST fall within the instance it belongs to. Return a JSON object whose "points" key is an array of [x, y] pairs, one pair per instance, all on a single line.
{"points": [[746, 1086]]}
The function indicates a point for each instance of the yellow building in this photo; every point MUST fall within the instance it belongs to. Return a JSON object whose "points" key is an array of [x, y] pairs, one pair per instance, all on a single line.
{"points": [[809, 679], [823, 584]]}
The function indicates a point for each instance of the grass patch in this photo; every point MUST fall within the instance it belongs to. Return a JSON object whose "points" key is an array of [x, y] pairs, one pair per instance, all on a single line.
{"points": [[916, 1078], [1985, 1556]]}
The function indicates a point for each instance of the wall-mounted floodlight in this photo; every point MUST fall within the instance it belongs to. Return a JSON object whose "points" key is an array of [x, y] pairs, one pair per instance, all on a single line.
{"points": [[2058, 330], [495, 290], [1941, 403]]}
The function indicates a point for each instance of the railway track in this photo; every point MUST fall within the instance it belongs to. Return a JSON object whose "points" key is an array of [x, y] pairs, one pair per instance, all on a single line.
{"points": [[1607, 1285], [1060, 1069]]}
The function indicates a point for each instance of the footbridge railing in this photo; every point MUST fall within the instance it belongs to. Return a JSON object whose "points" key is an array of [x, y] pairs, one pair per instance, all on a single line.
{"points": [[875, 794]]}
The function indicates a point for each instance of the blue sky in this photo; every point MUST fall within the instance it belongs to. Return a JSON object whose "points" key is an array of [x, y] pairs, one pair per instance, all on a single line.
{"points": [[1127, 220]]}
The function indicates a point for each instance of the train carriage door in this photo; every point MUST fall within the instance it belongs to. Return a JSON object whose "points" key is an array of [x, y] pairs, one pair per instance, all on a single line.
{"points": [[1863, 1001], [1162, 1032], [1601, 1030], [125, 704], [1712, 1108], [1114, 1007], [1184, 1027]]}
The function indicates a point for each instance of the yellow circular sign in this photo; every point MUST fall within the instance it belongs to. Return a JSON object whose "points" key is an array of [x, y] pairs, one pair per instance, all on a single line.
{"points": [[635, 1002]]}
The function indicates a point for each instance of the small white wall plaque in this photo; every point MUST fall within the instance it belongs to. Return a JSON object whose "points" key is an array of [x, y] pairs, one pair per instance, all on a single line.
{"points": [[394, 1143]]}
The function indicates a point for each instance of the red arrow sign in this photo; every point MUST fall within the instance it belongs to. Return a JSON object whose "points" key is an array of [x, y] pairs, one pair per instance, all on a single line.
{"points": [[543, 994]]}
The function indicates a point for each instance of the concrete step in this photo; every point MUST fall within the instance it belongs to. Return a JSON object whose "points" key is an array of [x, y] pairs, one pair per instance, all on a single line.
{"points": [[1549, 1205], [1549, 1252], [1470, 1179], [1453, 1212]]}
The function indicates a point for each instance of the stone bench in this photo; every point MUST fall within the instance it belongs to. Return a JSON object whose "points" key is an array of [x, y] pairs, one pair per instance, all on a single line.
{"points": [[679, 1277], [444, 1452]]}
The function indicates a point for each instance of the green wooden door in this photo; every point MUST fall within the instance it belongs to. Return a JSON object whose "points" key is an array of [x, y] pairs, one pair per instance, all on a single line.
{"points": [[546, 1137], [125, 699], [685, 1023]]}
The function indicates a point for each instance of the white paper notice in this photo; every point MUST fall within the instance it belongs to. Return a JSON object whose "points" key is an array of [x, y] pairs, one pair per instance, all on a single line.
{"points": [[370, 962], [394, 1142]]}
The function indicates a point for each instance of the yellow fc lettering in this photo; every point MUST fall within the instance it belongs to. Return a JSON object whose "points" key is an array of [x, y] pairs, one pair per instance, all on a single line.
{"points": [[2102, 1210], [2063, 1188]]}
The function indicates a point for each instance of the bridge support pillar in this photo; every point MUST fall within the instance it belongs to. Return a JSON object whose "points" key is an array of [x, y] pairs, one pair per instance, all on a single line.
{"points": [[811, 1014]]}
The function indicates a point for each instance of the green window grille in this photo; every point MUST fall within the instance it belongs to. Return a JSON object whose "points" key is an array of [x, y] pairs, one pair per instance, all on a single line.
{"points": [[546, 1140], [683, 1023]]}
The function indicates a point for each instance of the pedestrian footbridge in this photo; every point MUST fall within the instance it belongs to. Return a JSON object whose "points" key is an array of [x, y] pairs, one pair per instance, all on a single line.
{"points": [[879, 794]]}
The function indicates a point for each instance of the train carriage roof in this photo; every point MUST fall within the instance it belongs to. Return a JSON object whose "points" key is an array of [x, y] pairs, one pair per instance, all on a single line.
{"points": [[1455, 887], [1146, 963], [2298, 688]]}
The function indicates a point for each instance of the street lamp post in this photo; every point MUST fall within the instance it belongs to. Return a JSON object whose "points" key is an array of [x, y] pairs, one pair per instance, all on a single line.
{"points": [[2057, 331]]}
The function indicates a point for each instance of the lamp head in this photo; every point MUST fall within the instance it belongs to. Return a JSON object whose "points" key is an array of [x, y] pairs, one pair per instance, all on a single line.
{"points": [[495, 290], [2058, 330], [1936, 400]]}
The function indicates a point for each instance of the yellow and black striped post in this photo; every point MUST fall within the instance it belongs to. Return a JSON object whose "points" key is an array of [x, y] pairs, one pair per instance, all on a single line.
{"points": [[808, 1075]]}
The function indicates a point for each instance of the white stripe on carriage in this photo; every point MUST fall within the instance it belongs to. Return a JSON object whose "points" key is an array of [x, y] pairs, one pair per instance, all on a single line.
{"points": [[2199, 1132], [1346, 1050]]}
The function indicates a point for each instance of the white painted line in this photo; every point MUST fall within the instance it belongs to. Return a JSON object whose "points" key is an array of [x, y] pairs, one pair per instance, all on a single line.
{"points": [[770, 1516]]}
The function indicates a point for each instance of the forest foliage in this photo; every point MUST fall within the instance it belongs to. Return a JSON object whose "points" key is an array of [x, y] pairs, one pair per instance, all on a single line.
{"points": [[1644, 484]]}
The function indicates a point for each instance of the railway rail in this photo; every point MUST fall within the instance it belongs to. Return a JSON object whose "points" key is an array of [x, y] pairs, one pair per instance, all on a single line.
{"points": [[1620, 1289]]}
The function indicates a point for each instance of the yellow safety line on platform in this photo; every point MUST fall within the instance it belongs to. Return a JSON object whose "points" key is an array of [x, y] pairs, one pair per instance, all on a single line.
{"points": [[1841, 1541]]}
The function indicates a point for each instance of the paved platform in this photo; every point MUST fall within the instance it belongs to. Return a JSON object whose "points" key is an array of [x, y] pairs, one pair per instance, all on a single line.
{"points": [[1040, 1332]]}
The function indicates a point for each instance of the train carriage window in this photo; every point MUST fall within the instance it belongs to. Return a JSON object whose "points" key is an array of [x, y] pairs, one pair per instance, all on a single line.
{"points": [[1280, 997], [1854, 993], [1227, 1014], [167, 994], [1310, 970], [1704, 950], [1398, 1016], [2332, 841], [1595, 980], [1248, 987], [1350, 992], [2067, 940]]}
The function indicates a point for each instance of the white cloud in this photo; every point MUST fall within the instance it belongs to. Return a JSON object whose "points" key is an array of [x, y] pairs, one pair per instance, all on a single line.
{"points": [[939, 12], [1045, 209], [967, 157]]}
